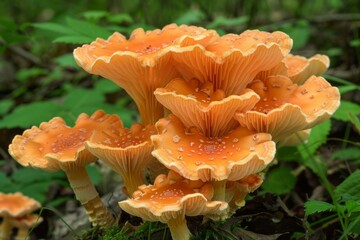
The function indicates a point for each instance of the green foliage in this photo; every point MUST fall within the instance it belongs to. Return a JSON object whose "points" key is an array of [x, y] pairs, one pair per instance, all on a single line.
{"points": [[345, 109], [279, 181], [350, 187], [314, 206], [31, 182]]}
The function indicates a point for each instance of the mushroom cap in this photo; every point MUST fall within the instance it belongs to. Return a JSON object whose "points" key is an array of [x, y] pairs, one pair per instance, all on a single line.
{"points": [[140, 64], [285, 108], [26, 221], [238, 190], [169, 198], [200, 106], [231, 62], [301, 68], [124, 150], [17, 205], [55, 146], [188, 152]]}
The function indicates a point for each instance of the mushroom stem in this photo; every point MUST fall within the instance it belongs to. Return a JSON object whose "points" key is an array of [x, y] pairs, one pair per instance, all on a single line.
{"points": [[22, 234], [132, 180], [179, 229], [150, 109], [219, 190], [86, 193], [5, 229]]}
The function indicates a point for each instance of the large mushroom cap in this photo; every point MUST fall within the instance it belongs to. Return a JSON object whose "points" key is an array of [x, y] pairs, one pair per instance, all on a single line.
{"points": [[285, 108], [54, 145], [140, 64], [232, 61], [17, 205], [194, 156], [203, 107]]}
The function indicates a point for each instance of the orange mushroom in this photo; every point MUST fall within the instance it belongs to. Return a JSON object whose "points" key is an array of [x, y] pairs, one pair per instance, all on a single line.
{"points": [[140, 64], [126, 151], [300, 68], [170, 199], [286, 108], [24, 224], [236, 191], [202, 107], [232, 61], [14, 205], [194, 156], [55, 146]]}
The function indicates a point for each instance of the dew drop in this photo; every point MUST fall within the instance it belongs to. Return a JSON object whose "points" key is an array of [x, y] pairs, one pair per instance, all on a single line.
{"points": [[304, 91], [251, 149], [235, 140], [256, 137], [180, 149], [176, 138]]}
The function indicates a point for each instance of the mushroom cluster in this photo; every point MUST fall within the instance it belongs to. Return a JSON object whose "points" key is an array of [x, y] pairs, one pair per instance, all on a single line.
{"points": [[16, 211], [214, 109]]}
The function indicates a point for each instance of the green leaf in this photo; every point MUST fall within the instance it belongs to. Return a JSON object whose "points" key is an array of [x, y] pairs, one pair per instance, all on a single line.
{"points": [[54, 27], [24, 74], [347, 154], [94, 15], [27, 115], [87, 29], [300, 31], [38, 190], [66, 60], [5, 105], [221, 21], [348, 88], [279, 181], [355, 120], [317, 138], [120, 18], [6, 185], [94, 174], [106, 86], [73, 39], [31, 175], [192, 16], [345, 108], [315, 206], [350, 187], [288, 154]]}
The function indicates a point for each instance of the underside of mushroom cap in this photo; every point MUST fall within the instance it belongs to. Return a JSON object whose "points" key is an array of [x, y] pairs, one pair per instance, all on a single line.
{"points": [[188, 152], [285, 108], [200, 106], [54, 145]]}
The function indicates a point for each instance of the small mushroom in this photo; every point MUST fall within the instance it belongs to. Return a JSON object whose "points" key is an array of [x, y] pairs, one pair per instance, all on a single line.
{"points": [[55, 146], [139, 65], [24, 224], [14, 205], [194, 156], [300, 68], [231, 62], [286, 108], [169, 200], [126, 151], [236, 191], [200, 106]]}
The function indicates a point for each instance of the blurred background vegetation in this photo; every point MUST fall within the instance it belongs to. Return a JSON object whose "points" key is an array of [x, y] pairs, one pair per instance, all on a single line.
{"points": [[39, 78]]}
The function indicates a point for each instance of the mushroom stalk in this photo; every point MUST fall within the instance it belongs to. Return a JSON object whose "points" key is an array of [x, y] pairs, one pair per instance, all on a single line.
{"points": [[86, 193], [179, 229], [219, 190], [5, 229], [132, 180], [22, 234]]}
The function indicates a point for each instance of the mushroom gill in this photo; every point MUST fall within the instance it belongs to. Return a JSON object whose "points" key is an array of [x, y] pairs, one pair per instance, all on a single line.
{"points": [[285, 108], [126, 151], [139, 65], [201, 106]]}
